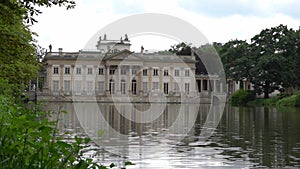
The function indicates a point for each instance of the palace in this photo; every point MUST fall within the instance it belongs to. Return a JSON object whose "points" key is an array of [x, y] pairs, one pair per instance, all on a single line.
{"points": [[113, 70]]}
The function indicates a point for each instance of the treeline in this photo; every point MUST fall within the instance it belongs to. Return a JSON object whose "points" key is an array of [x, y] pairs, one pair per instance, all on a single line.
{"points": [[271, 61]]}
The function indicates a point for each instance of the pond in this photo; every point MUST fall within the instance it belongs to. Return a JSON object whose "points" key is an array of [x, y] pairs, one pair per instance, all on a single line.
{"points": [[181, 136]]}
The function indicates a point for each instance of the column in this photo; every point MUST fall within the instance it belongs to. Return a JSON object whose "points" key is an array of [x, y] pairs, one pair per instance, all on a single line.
{"points": [[83, 83], [150, 78], [161, 83], [215, 86], [140, 81], [72, 71], [129, 81], [202, 85], [208, 87], [96, 79], [181, 84], [48, 83], [106, 77], [61, 78], [117, 80], [221, 88], [171, 76]]}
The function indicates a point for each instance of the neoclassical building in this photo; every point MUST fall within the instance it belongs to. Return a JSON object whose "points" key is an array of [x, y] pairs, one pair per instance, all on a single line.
{"points": [[113, 70]]}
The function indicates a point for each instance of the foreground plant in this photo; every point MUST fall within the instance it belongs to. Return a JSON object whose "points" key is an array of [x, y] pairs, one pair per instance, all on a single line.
{"points": [[29, 140]]}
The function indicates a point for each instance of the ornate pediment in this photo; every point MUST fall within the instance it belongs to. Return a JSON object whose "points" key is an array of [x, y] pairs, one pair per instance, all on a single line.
{"points": [[123, 55]]}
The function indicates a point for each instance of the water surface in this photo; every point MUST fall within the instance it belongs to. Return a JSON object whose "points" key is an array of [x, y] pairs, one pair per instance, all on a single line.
{"points": [[252, 137]]}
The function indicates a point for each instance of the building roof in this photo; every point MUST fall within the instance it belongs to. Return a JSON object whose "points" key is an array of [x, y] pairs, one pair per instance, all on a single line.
{"points": [[120, 55]]}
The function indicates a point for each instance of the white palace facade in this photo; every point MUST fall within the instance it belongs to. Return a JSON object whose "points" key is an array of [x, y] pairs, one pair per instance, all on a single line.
{"points": [[113, 70]]}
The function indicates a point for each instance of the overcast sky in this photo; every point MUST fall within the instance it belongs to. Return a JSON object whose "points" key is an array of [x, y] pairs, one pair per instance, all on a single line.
{"points": [[218, 20]]}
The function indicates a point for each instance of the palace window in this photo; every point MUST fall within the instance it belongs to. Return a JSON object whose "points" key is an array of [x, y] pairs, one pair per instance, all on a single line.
{"points": [[78, 70], [100, 71], [112, 86], [155, 85], [67, 86], [111, 71], [145, 72], [55, 84], [176, 73], [67, 70], [134, 70], [155, 72], [176, 88], [145, 87], [187, 88], [89, 87], [166, 72], [101, 87], [186, 72], [133, 86], [77, 86], [123, 87], [166, 88], [123, 71], [90, 71], [55, 70]]}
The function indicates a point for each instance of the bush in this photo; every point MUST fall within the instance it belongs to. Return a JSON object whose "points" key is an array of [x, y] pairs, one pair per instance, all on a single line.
{"points": [[297, 100], [241, 97], [293, 100], [29, 140]]}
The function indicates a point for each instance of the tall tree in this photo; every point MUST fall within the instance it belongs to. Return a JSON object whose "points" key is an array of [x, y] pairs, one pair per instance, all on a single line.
{"points": [[19, 62], [236, 60], [273, 56], [297, 48]]}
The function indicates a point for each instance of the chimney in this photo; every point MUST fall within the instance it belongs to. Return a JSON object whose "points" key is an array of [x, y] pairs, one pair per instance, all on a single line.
{"points": [[60, 50]]}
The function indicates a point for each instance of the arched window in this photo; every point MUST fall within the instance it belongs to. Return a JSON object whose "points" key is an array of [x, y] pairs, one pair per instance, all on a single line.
{"points": [[133, 86], [112, 86]]}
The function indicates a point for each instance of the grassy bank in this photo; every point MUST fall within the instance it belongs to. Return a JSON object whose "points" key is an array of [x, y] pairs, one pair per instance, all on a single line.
{"points": [[247, 98], [280, 100]]}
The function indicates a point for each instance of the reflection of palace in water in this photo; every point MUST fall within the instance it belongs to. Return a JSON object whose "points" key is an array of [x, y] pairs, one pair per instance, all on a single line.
{"points": [[121, 121]]}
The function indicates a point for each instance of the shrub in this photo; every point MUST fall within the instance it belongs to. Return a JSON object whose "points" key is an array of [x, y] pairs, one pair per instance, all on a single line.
{"points": [[29, 140], [241, 97], [293, 100], [297, 100]]}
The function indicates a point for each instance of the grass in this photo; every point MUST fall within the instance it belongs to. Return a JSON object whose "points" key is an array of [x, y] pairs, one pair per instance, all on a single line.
{"points": [[293, 101], [263, 102], [280, 100]]}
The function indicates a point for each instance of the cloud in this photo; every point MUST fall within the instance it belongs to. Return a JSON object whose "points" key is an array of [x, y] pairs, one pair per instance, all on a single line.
{"points": [[218, 20], [261, 8]]}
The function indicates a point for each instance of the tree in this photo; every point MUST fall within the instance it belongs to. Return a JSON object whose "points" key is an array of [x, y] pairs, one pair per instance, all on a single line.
{"points": [[297, 48], [273, 56], [182, 48], [236, 61], [19, 62]]}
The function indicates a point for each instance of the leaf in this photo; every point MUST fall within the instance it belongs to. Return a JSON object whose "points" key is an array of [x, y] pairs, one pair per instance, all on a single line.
{"points": [[112, 165], [128, 163], [78, 140], [100, 133]]}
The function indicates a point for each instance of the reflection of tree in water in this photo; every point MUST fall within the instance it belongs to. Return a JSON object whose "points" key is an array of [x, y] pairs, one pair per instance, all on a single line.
{"points": [[265, 136]]}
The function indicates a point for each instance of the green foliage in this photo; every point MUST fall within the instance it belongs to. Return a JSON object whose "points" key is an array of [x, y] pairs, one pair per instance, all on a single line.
{"points": [[235, 57], [270, 62], [241, 97], [182, 48], [263, 101], [29, 140], [19, 60], [293, 100]]}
